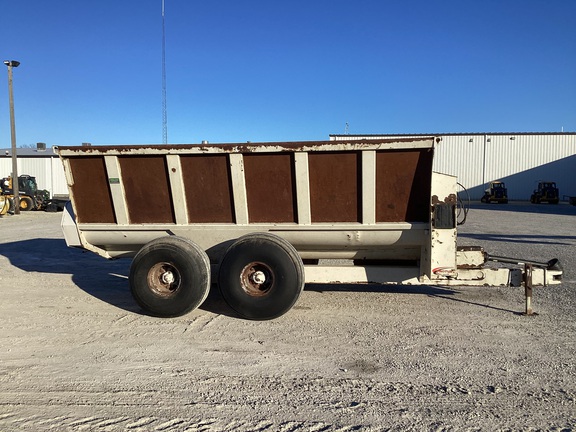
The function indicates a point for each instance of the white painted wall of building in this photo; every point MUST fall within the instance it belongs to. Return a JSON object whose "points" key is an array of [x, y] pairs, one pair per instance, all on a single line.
{"points": [[521, 160], [48, 171]]}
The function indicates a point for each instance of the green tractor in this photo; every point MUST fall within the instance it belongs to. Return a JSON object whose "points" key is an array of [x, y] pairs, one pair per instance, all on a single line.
{"points": [[497, 192]]}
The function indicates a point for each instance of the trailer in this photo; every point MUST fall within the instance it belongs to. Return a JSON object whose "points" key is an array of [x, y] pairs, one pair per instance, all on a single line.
{"points": [[261, 220]]}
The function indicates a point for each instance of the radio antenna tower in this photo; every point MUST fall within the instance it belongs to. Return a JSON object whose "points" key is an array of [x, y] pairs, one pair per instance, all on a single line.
{"points": [[164, 117]]}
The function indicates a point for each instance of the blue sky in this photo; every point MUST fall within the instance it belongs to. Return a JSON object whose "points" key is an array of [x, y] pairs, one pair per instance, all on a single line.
{"points": [[256, 70]]}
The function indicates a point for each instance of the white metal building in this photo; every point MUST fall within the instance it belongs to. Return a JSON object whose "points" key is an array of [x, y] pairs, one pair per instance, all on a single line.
{"points": [[518, 159], [42, 163]]}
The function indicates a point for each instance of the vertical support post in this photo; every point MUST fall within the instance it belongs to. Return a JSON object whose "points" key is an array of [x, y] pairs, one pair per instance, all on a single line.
{"points": [[302, 187], [368, 187], [15, 184], [528, 288], [236, 161], [114, 174], [440, 248], [177, 189]]}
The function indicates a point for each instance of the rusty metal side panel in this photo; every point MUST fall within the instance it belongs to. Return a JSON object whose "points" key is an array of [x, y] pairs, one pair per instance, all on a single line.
{"points": [[208, 188], [90, 191], [403, 184], [270, 187], [147, 189], [335, 186]]}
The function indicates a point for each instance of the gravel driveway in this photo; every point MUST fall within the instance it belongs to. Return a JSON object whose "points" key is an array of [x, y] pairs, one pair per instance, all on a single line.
{"points": [[76, 353]]}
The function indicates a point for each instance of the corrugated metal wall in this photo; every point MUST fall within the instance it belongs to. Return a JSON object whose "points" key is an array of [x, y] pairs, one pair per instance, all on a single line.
{"points": [[520, 160], [58, 179], [48, 171]]}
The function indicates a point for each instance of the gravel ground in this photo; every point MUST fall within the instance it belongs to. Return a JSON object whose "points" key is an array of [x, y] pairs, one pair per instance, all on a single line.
{"points": [[76, 353]]}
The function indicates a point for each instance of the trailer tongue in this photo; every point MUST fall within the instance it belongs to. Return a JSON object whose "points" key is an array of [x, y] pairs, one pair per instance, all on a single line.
{"points": [[258, 218]]}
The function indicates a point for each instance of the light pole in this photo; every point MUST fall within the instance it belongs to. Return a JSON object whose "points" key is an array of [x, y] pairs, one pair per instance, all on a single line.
{"points": [[15, 187]]}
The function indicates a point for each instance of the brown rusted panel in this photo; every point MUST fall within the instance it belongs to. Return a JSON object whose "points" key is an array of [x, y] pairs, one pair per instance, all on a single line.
{"points": [[208, 188], [403, 184], [90, 191], [335, 186], [270, 187], [147, 189]]}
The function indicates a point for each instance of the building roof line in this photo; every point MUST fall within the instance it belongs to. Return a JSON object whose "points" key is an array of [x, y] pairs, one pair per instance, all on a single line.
{"points": [[454, 134]]}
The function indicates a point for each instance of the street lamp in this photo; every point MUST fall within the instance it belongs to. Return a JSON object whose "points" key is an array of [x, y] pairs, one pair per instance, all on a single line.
{"points": [[15, 187]]}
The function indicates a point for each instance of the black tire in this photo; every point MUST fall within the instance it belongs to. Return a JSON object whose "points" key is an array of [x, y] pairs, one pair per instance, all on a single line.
{"points": [[170, 276], [26, 203], [4, 206], [277, 265]]}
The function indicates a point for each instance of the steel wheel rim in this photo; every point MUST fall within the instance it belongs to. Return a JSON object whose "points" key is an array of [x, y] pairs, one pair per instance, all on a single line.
{"points": [[164, 279], [256, 279]]}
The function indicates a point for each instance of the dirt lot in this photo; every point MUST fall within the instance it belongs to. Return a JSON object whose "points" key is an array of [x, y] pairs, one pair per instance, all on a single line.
{"points": [[76, 353]]}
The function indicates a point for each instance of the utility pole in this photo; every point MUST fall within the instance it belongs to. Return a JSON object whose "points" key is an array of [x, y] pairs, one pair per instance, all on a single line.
{"points": [[164, 117], [15, 187]]}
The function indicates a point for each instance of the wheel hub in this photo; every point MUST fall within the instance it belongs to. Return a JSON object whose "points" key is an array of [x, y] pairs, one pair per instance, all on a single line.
{"points": [[167, 278], [257, 279], [164, 279]]}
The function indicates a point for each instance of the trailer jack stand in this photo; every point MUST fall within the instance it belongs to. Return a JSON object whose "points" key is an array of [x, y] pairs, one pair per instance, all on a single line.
{"points": [[528, 289]]}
